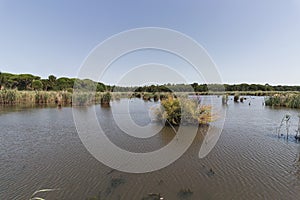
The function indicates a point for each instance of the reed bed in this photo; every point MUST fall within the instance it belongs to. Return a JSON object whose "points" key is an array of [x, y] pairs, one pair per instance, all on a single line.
{"points": [[12, 97], [289, 100]]}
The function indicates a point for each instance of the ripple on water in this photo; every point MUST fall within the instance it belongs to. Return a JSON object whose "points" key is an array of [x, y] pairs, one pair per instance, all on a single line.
{"points": [[41, 149]]}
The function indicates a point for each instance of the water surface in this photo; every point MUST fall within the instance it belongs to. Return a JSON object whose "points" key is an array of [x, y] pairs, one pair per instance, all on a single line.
{"points": [[40, 148]]}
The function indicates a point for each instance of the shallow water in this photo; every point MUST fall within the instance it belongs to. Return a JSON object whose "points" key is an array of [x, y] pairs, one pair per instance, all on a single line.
{"points": [[40, 148]]}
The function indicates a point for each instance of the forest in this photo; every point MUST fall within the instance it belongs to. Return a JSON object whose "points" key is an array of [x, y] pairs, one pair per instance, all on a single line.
{"points": [[29, 82]]}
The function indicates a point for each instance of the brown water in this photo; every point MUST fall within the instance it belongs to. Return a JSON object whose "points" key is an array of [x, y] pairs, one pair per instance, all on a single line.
{"points": [[40, 149]]}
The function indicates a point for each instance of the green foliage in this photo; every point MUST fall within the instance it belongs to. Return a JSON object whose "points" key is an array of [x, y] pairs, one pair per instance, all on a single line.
{"points": [[184, 110], [64, 83], [51, 82], [106, 97], [23, 82], [147, 96], [85, 85], [3, 80], [172, 110], [284, 100], [100, 87], [37, 85], [156, 97]]}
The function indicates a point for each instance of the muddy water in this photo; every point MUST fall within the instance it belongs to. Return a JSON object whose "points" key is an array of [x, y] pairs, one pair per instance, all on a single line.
{"points": [[40, 149]]}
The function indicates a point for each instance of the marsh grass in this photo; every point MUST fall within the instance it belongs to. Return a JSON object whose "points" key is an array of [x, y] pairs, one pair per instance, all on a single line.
{"points": [[12, 97], [185, 111], [62, 98], [289, 100]]}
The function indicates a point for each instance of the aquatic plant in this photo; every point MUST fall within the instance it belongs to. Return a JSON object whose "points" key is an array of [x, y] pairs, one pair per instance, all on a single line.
{"points": [[137, 95], [224, 99], [147, 96], [8, 96], [242, 99], [156, 97], [236, 97], [105, 98], [184, 110], [163, 96], [289, 100]]}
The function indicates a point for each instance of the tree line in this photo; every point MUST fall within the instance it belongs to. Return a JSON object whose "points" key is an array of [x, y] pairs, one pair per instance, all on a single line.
{"points": [[52, 83]]}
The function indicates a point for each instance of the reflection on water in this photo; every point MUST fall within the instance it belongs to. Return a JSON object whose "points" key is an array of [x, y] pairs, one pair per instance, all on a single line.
{"points": [[40, 148]]}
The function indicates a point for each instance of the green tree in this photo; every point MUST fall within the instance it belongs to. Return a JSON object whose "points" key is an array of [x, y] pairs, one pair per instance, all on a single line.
{"points": [[23, 81], [64, 83], [37, 85], [2, 80], [51, 82], [101, 87]]}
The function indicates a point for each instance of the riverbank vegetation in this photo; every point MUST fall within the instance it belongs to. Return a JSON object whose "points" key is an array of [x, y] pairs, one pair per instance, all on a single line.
{"points": [[31, 89]]}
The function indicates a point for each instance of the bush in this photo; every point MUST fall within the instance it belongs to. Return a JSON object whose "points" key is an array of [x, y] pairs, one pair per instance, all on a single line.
{"points": [[236, 97], [242, 99], [187, 111], [105, 99]]}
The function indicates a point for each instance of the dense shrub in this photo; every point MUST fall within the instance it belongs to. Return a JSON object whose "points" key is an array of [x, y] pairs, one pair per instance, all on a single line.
{"points": [[184, 110]]}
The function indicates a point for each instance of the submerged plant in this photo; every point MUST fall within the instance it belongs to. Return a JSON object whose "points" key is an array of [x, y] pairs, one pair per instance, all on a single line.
{"points": [[185, 193], [115, 182]]}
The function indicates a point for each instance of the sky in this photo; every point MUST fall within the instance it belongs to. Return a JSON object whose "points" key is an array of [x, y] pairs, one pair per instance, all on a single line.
{"points": [[250, 41]]}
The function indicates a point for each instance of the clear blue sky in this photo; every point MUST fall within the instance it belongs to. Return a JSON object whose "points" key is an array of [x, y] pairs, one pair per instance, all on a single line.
{"points": [[253, 41]]}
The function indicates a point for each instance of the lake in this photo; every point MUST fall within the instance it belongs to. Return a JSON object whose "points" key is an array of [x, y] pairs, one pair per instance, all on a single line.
{"points": [[40, 148]]}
